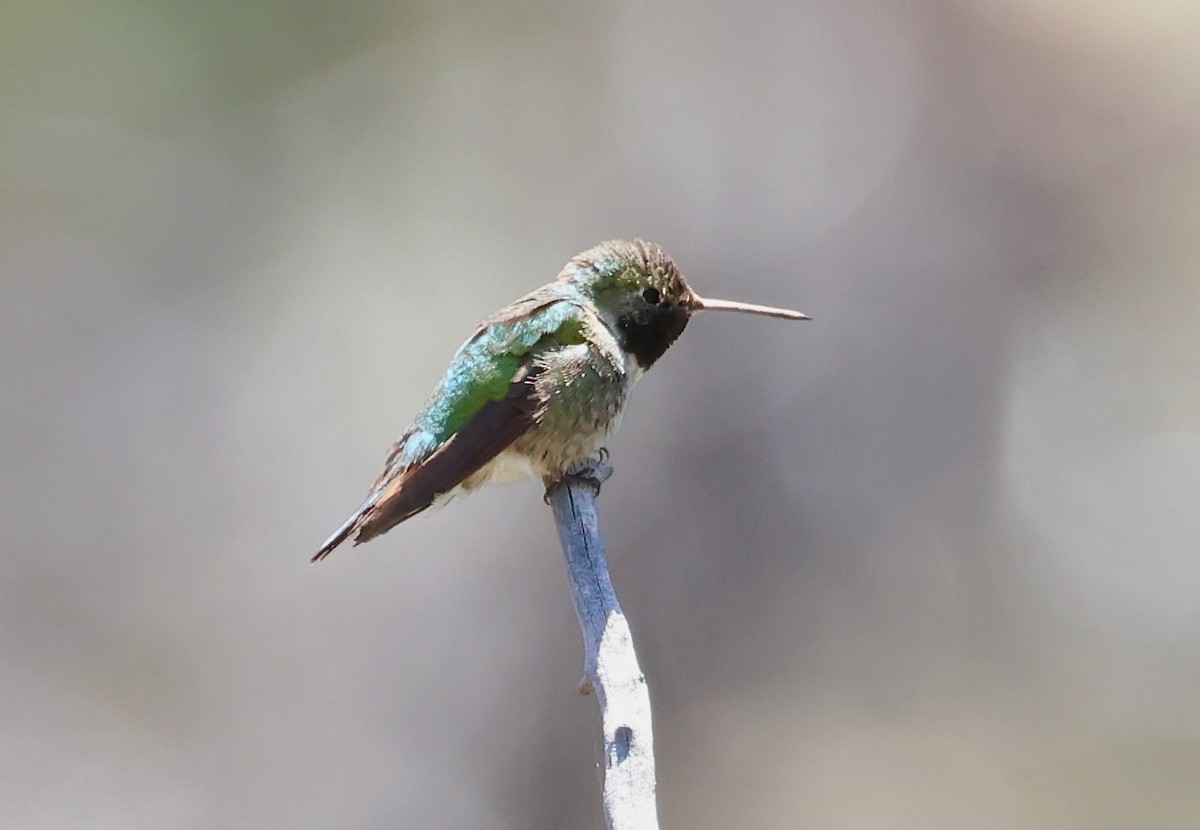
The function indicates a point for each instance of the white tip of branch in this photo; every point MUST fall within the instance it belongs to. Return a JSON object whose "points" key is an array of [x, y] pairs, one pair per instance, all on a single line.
{"points": [[610, 662]]}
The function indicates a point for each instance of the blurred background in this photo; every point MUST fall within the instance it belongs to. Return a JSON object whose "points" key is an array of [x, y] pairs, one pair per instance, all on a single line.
{"points": [[927, 561]]}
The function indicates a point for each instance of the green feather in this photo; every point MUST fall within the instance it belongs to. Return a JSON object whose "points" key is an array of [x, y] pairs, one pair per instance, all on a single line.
{"points": [[483, 368]]}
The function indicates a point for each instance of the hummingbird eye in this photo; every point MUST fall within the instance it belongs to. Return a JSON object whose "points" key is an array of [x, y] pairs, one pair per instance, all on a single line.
{"points": [[652, 296]]}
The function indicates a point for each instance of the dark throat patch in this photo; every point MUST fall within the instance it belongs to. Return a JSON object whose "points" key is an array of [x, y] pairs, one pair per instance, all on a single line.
{"points": [[648, 332]]}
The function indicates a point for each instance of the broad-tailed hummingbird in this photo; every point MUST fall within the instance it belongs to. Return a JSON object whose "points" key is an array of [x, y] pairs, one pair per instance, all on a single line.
{"points": [[540, 385]]}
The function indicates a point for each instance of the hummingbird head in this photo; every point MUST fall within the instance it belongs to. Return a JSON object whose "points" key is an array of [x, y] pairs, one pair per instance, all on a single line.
{"points": [[643, 298]]}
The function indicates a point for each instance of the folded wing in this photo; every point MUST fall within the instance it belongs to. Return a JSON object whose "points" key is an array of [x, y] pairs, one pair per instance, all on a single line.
{"points": [[465, 425]]}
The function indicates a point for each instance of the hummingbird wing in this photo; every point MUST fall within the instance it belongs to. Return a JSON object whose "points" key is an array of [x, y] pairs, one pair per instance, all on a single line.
{"points": [[486, 400]]}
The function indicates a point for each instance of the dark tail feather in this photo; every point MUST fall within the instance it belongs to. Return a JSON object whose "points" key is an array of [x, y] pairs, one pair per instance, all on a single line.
{"points": [[377, 515], [342, 533]]}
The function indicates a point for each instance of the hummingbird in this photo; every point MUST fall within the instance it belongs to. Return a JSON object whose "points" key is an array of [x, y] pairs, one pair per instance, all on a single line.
{"points": [[540, 385]]}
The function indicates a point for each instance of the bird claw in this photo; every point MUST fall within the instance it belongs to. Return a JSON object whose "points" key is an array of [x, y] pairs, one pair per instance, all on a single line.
{"points": [[591, 472]]}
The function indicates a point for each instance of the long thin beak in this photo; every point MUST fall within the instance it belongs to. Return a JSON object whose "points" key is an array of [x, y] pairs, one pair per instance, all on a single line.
{"points": [[704, 304]]}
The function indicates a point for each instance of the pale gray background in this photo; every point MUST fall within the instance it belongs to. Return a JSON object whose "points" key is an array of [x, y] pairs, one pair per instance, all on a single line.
{"points": [[927, 561]]}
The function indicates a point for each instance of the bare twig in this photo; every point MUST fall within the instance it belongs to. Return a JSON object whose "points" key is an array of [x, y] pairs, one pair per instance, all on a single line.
{"points": [[610, 663]]}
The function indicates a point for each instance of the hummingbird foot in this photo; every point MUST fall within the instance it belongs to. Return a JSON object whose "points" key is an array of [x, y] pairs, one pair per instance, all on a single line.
{"points": [[591, 472]]}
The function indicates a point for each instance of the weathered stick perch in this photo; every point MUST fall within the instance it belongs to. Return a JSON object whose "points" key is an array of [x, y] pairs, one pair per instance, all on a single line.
{"points": [[610, 664]]}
